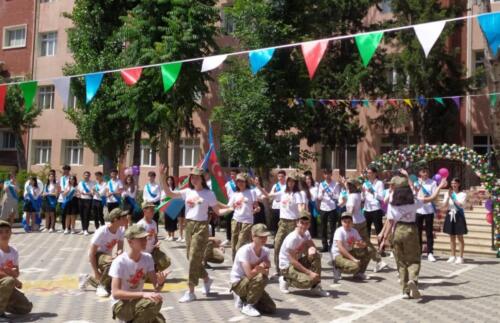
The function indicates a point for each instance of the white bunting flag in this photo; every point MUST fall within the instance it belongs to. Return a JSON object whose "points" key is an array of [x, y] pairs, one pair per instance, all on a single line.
{"points": [[428, 34], [212, 62], [61, 86]]}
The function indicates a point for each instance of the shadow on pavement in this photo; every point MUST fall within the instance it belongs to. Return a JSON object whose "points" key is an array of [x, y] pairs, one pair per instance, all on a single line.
{"points": [[284, 313], [430, 298], [32, 317]]}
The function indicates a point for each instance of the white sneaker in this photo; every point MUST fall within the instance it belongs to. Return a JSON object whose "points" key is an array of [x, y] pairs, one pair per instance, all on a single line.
{"points": [[66, 231], [379, 266], [169, 239], [360, 276], [451, 259], [318, 291], [83, 281], [85, 233], [391, 255], [337, 275], [51, 230], [182, 240], [459, 261], [414, 292], [73, 232], [283, 285], [187, 297], [406, 296], [249, 310], [101, 291], [431, 258], [238, 304], [225, 243], [206, 286], [45, 230]]}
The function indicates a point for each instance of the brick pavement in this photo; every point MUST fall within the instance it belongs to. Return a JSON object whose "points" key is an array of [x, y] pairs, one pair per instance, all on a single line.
{"points": [[50, 264]]}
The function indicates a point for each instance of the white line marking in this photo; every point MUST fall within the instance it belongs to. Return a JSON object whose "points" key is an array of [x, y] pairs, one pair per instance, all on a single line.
{"points": [[461, 271], [236, 318], [350, 307], [368, 310], [430, 281], [168, 308]]}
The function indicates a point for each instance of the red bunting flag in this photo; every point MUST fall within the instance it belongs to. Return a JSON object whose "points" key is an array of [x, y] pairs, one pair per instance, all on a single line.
{"points": [[132, 75], [393, 102], [3, 94], [313, 53]]}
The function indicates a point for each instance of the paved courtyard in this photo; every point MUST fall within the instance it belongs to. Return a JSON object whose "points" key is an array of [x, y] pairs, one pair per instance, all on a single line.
{"points": [[51, 263]]}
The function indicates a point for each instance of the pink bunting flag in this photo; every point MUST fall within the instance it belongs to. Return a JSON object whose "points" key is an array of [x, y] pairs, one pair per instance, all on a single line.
{"points": [[313, 53], [131, 75]]}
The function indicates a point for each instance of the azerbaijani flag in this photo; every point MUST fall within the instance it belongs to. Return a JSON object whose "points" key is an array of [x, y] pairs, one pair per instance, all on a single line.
{"points": [[217, 178]]}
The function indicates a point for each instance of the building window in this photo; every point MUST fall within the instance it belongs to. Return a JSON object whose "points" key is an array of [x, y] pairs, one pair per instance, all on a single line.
{"points": [[190, 152], [43, 149], [98, 159], [148, 155], [331, 158], [479, 65], [71, 101], [73, 152], [48, 43], [14, 36], [46, 97], [7, 140], [482, 144], [46, 1]]}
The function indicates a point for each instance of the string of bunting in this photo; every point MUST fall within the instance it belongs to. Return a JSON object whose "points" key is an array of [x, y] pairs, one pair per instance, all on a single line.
{"points": [[313, 51]]}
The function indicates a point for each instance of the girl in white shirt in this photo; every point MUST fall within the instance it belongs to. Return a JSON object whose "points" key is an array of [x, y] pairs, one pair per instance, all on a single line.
{"points": [[70, 204], [313, 208], [454, 223], [129, 194], [50, 193], [32, 195]]}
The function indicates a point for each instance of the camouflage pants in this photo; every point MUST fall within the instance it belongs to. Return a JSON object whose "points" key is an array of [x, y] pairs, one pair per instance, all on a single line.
{"points": [[241, 235], [196, 243], [363, 232], [161, 260], [348, 266], [407, 253], [11, 299], [251, 291], [213, 254], [138, 311], [103, 264], [285, 227], [302, 280]]}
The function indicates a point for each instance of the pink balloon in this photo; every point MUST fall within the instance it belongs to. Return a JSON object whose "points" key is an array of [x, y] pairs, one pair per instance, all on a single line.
{"points": [[489, 217], [127, 171], [444, 173]]}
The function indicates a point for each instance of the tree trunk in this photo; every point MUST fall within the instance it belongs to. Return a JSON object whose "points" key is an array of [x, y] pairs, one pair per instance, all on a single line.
{"points": [[136, 156], [107, 165], [341, 160], [164, 151], [21, 152], [176, 155]]}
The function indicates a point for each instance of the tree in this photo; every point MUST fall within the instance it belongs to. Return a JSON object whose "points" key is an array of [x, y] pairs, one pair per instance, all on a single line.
{"points": [[16, 119]]}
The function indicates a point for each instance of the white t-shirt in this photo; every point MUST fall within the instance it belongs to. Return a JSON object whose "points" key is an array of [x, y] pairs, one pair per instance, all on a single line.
{"points": [[372, 199], [128, 192], [314, 192], [246, 254], [353, 204], [153, 232], [83, 193], [35, 191], [293, 241], [328, 196], [289, 205], [197, 203], [347, 237], [430, 186], [155, 190], [258, 193], [105, 240], [303, 195], [242, 202], [115, 185], [63, 183], [276, 201], [99, 190], [229, 188], [404, 213], [9, 260], [461, 198], [50, 189], [132, 274]]}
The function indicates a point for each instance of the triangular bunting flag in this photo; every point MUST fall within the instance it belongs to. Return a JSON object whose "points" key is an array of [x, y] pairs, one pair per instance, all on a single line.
{"points": [[131, 75], [367, 45], [313, 53], [354, 103], [170, 73], [428, 34], [408, 102], [456, 99], [493, 100], [310, 103], [212, 62], [366, 103], [259, 58], [422, 101], [393, 102], [379, 103], [92, 83], [333, 102], [29, 91], [61, 86], [3, 95], [490, 25], [439, 100]]}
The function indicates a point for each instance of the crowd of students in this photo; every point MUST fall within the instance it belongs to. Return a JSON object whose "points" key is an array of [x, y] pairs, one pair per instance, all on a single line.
{"points": [[340, 212]]}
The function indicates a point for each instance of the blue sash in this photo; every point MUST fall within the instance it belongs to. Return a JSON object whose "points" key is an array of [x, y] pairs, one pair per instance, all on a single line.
{"points": [[327, 189], [454, 199], [103, 198], [233, 185], [12, 190], [131, 201], [277, 187], [35, 202], [68, 198], [339, 209], [427, 194], [112, 190], [51, 199], [85, 187], [313, 209], [63, 182], [369, 186], [148, 188]]}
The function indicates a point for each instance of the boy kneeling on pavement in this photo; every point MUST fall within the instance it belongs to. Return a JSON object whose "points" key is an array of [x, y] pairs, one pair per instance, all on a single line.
{"points": [[349, 251], [249, 275], [299, 260], [129, 271], [11, 299]]}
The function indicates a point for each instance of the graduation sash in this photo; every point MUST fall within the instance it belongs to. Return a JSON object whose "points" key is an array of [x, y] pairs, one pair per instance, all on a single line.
{"points": [[369, 186], [459, 209], [68, 198], [277, 187], [112, 190], [35, 202], [233, 185], [12, 190], [51, 199], [131, 201], [427, 194], [327, 189], [148, 188], [85, 187]]}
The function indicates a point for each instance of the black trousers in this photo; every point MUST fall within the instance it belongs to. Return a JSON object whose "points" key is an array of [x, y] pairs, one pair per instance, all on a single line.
{"points": [[275, 219], [63, 216], [112, 206], [429, 225], [260, 217], [228, 219], [97, 213], [156, 216], [329, 220], [85, 208], [374, 217]]}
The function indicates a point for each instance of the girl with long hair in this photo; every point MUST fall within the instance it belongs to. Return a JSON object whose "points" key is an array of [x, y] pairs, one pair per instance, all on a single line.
{"points": [[50, 193], [454, 222], [70, 204]]}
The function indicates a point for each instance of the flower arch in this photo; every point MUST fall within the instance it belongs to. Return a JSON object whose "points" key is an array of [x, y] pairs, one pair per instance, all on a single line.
{"points": [[426, 153]]}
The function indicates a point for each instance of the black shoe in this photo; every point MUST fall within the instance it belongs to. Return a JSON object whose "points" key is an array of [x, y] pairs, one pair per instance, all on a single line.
{"points": [[325, 249], [207, 266]]}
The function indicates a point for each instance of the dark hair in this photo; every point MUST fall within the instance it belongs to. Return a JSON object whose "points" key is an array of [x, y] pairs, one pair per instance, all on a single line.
{"points": [[313, 183], [373, 169], [235, 170], [303, 187], [5, 225], [73, 178], [282, 172], [114, 170], [86, 172], [327, 171], [308, 173], [172, 187], [295, 185], [151, 173], [353, 188], [33, 178], [424, 167], [66, 167], [203, 182], [132, 183], [402, 196], [98, 173], [51, 172], [456, 179]]}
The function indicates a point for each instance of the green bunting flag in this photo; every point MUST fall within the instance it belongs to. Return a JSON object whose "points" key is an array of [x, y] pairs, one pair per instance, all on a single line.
{"points": [[439, 100], [169, 73], [310, 103], [366, 103], [29, 91], [367, 45], [493, 100]]}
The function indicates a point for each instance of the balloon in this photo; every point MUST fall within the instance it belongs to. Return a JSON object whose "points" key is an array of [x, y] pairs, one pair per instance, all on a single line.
{"points": [[135, 170], [413, 178], [489, 217], [128, 171], [488, 205], [437, 178], [444, 173]]}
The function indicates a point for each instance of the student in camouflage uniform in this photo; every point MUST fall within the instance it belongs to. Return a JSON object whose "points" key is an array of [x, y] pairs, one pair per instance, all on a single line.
{"points": [[214, 252]]}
